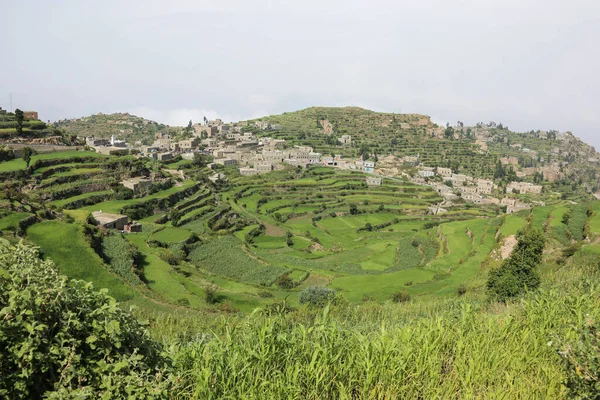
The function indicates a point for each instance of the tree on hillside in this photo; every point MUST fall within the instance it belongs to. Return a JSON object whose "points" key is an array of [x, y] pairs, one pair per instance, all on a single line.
{"points": [[189, 128], [449, 132], [27, 153], [20, 117], [518, 273], [499, 172], [364, 151]]}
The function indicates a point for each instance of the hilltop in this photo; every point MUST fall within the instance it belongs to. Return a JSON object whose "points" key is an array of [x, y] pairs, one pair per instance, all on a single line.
{"points": [[472, 150], [122, 125], [31, 131]]}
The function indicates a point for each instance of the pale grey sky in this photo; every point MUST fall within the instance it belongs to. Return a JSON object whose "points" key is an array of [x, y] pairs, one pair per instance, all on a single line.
{"points": [[527, 63]]}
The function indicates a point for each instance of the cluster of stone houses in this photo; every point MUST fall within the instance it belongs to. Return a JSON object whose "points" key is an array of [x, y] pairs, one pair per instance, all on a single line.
{"points": [[477, 191], [523, 188]]}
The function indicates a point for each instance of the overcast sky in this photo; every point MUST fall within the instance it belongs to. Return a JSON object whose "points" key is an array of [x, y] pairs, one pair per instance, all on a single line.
{"points": [[526, 63]]}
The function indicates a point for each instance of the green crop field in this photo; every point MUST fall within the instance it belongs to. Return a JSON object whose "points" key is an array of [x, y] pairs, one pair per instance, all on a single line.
{"points": [[319, 225], [17, 164], [66, 245]]}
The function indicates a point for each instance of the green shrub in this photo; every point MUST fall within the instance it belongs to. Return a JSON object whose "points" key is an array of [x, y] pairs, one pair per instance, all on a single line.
{"points": [[61, 338], [519, 272], [265, 294], [285, 281], [318, 296], [582, 363], [211, 294], [401, 297]]}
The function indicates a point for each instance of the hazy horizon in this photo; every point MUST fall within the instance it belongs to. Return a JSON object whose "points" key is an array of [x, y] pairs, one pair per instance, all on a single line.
{"points": [[528, 64]]}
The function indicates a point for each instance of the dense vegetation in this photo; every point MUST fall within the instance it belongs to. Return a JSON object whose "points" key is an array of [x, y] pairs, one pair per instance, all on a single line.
{"points": [[74, 342], [61, 339]]}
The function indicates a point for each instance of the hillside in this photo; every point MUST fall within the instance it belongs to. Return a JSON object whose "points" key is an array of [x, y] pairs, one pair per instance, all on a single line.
{"points": [[408, 287], [31, 131], [472, 150], [123, 126]]}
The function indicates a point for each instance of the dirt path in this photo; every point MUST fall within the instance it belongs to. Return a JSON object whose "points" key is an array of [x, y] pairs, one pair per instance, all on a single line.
{"points": [[507, 247]]}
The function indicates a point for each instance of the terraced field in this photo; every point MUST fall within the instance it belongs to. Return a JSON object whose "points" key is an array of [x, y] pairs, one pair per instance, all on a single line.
{"points": [[265, 238]]}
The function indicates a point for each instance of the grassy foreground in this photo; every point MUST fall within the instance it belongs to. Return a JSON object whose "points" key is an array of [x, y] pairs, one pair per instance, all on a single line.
{"points": [[458, 348]]}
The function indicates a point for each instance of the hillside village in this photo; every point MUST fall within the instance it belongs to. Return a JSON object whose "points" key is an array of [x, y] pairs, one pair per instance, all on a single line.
{"points": [[249, 147]]}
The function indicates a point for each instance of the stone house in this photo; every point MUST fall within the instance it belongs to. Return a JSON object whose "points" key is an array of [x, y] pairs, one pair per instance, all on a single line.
{"points": [[411, 161], [523, 188], [30, 115], [133, 227], [345, 140], [138, 184], [509, 161], [468, 190], [373, 181], [459, 178], [444, 172], [218, 177], [264, 168], [205, 131], [314, 158], [277, 156], [189, 144], [110, 221], [472, 198], [164, 156], [507, 201], [369, 166], [163, 143], [210, 142], [485, 186], [518, 206], [248, 171], [226, 162], [95, 142]]}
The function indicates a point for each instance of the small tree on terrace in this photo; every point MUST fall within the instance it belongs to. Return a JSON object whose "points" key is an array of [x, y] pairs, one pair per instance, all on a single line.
{"points": [[27, 153], [20, 117], [519, 272]]}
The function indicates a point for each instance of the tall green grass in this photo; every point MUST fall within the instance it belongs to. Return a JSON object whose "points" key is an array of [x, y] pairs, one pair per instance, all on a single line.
{"points": [[462, 350]]}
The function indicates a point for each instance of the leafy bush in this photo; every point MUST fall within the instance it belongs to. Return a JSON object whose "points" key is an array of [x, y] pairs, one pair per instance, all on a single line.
{"points": [[318, 296], [519, 272], [61, 338], [401, 297], [211, 294], [582, 363], [285, 281]]}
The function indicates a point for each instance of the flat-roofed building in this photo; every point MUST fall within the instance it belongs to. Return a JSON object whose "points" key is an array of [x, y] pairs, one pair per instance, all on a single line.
{"points": [[110, 221]]}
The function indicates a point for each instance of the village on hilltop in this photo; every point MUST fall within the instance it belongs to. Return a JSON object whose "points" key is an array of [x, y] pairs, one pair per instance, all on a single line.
{"points": [[233, 146]]}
